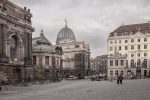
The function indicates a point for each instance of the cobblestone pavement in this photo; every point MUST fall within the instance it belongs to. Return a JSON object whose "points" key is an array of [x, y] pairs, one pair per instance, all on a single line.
{"points": [[84, 90]]}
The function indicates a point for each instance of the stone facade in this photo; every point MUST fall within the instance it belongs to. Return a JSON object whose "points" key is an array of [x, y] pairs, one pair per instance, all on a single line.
{"points": [[15, 40], [134, 41], [116, 65], [76, 54], [46, 58]]}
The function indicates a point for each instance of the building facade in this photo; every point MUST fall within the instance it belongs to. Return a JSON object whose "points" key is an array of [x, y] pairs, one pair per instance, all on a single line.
{"points": [[46, 59], [99, 65], [134, 42], [76, 54], [15, 41], [117, 65]]}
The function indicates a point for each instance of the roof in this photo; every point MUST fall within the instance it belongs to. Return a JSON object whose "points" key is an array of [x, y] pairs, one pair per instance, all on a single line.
{"points": [[100, 57], [132, 28], [66, 34]]}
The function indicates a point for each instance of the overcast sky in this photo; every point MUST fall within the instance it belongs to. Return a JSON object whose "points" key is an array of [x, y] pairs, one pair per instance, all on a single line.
{"points": [[91, 20]]}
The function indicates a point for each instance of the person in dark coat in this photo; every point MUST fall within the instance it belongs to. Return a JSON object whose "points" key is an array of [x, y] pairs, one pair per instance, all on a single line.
{"points": [[118, 79]]}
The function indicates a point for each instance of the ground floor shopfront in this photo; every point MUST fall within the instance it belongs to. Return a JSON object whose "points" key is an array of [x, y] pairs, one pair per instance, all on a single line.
{"points": [[128, 72]]}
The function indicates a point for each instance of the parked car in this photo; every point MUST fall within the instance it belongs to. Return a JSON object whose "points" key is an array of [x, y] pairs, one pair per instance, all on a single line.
{"points": [[96, 78], [71, 77]]}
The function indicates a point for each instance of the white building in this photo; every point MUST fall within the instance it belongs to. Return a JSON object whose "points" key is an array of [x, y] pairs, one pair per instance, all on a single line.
{"points": [[76, 54], [134, 42]]}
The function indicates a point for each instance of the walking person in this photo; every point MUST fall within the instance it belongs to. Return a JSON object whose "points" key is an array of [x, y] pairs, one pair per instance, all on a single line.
{"points": [[120, 78]]}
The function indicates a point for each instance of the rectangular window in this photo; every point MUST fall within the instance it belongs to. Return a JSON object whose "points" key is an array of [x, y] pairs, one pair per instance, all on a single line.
{"points": [[119, 47], [138, 40], [34, 60], [115, 48], [53, 62], [111, 72], [116, 72], [122, 63], [111, 48], [116, 62], [145, 46], [127, 63], [111, 62], [47, 60], [132, 40], [119, 41], [145, 39], [122, 72], [111, 42], [126, 41], [138, 47], [126, 47], [132, 47]]}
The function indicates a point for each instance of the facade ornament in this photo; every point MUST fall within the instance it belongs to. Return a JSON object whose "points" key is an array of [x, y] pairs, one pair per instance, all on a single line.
{"points": [[42, 34]]}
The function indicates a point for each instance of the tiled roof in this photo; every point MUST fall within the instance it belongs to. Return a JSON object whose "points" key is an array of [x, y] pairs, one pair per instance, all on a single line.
{"points": [[142, 27]]}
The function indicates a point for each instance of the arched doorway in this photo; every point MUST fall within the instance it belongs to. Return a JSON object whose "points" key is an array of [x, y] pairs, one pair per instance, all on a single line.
{"points": [[15, 48]]}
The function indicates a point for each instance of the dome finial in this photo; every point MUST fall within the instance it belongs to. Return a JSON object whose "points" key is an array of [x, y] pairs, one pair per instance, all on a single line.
{"points": [[42, 34], [66, 22]]}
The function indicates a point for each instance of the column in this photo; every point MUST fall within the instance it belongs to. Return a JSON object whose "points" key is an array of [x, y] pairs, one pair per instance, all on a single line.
{"points": [[3, 32], [28, 48]]}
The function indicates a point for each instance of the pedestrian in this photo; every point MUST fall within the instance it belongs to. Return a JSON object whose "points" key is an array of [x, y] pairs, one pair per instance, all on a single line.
{"points": [[1, 85], [131, 76], [118, 79]]}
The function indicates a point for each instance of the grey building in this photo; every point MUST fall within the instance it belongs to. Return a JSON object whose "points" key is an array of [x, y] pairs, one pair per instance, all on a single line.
{"points": [[15, 41], [76, 54], [99, 64], [47, 60]]}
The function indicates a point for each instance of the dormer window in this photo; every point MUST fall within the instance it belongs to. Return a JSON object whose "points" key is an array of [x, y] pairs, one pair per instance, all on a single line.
{"points": [[115, 34], [132, 40]]}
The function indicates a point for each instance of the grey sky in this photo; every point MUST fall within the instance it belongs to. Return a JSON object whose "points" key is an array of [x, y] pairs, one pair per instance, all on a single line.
{"points": [[91, 20]]}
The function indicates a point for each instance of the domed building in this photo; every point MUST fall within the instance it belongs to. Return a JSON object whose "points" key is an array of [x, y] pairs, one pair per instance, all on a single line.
{"points": [[65, 35], [76, 54], [45, 58]]}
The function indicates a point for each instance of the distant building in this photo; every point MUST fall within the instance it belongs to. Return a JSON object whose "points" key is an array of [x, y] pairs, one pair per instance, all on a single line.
{"points": [[134, 42], [76, 55], [46, 59], [15, 41], [99, 65]]}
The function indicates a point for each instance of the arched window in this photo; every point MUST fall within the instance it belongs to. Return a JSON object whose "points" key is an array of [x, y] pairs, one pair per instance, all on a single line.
{"points": [[132, 63], [132, 40], [144, 64], [13, 47], [138, 63]]}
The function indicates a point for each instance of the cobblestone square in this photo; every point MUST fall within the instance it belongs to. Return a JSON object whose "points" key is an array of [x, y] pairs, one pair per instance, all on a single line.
{"points": [[82, 90]]}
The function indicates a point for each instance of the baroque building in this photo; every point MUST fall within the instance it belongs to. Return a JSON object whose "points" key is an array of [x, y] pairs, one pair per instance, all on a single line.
{"points": [[15, 41], [76, 54], [46, 58], [132, 41]]}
